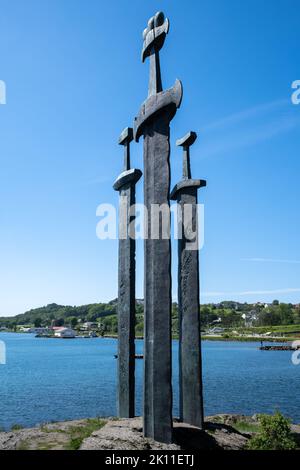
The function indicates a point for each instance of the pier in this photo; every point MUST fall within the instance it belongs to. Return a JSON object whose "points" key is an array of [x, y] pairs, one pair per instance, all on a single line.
{"points": [[279, 348]]}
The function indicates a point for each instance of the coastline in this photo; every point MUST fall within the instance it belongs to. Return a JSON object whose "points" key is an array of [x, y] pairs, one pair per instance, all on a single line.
{"points": [[241, 339], [222, 432]]}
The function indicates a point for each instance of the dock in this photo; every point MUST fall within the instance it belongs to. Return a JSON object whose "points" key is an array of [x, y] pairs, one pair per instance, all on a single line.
{"points": [[279, 348], [137, 356]]}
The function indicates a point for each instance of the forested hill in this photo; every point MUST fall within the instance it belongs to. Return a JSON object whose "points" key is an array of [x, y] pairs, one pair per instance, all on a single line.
{"points": [[227, 314], [62, 314]]}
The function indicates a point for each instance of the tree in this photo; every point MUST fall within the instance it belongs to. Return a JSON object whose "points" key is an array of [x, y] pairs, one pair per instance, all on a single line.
{"points": [[73, 322], [37, 322], [230, 318], [269, 317], [286, 314], [207, 316], [275, 434]]}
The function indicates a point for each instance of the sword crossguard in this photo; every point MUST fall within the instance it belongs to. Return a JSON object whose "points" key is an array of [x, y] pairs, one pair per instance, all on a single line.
{"points": [[186, 142], [125, 139]]}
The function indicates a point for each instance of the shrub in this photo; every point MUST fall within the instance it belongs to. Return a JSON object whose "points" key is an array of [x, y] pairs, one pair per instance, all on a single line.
{"points": [[16, 427], [275, 434]]}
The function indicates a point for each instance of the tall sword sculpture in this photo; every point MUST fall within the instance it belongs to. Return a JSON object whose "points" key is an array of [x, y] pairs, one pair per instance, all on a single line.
{"points": [[153, 122], [125, 184], [190, 363]]}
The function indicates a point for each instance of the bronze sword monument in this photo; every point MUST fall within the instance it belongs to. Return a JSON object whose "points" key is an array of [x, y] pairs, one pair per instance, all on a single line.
{"points": [[125, 184], [153, 123], [190, 362]]}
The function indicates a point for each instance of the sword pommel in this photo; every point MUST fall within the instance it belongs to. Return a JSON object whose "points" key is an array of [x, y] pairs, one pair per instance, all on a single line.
{"points": [[188, 140], [128, 176], [187, 184], [125, 138], [155, 34]]}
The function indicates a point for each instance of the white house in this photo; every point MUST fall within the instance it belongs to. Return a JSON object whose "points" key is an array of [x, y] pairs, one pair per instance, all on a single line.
{"points": [[66, 333], [216, 331], [87, 326], [250, 318], [34, 330]]}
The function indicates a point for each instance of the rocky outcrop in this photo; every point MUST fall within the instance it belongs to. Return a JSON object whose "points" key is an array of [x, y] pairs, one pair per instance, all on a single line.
{"points": [[54, 436], [222, 432], [127, 434]]}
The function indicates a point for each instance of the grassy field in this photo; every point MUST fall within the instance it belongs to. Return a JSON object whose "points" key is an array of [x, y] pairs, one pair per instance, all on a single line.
{"points": [[292, 331]]}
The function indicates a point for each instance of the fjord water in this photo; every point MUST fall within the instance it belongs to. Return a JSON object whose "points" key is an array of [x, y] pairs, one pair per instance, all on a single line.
{"points": [[48, 380]]}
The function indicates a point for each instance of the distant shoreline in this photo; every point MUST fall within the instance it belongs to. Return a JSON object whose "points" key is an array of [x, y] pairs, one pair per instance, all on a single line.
{"points": [[237, 339]]}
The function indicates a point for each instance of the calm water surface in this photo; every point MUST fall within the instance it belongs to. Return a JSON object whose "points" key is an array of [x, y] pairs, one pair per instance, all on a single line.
{"points": [[52, 380]]}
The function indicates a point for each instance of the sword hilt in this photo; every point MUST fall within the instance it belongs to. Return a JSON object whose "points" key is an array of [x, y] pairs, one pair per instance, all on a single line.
{"points": [[154, 37], [125, 138], [155, 34], [186, 142]]}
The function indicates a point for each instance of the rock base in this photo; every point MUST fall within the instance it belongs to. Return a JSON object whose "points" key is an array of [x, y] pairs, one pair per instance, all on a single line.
{"points": [[222, 432], [127, 434]]}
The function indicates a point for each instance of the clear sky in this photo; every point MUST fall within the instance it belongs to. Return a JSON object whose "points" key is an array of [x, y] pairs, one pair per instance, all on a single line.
{"points": [[75, 79]]}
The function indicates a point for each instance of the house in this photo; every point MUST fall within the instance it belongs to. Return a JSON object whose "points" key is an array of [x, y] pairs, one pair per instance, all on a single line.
{"points": [[41, 331], [65, 333], [219, 320], [87, 326], [250, 318], [25, 329], [35, 331], [216, 331]]}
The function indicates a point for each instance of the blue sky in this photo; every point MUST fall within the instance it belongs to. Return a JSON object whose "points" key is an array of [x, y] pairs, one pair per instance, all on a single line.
{"points": [[74, 80]]}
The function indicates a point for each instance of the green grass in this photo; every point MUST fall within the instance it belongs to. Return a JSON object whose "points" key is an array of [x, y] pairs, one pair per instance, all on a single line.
{"points": [[249, 339], [46, 430], [285, 329], [16, 427], [243, 426], [211, 431], [79, 433]]}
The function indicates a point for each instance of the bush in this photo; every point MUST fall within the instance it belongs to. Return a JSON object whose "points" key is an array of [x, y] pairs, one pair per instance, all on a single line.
{"points": [[275, 434], [16, 427]]}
